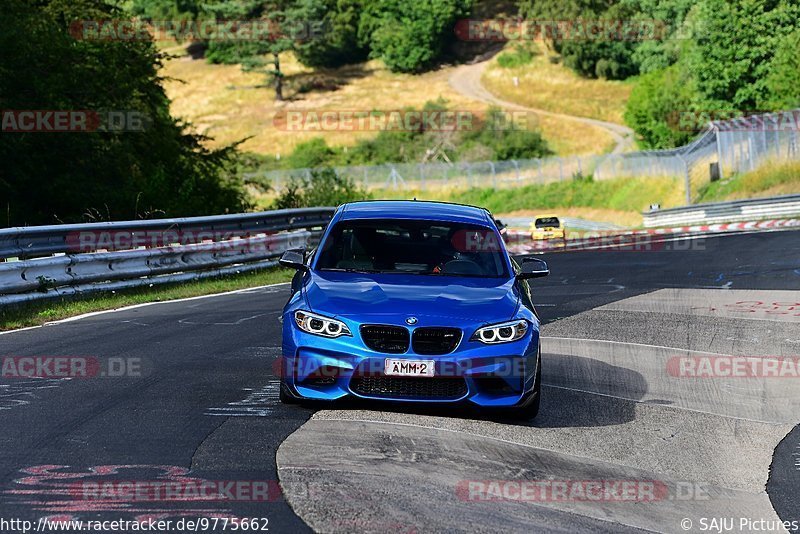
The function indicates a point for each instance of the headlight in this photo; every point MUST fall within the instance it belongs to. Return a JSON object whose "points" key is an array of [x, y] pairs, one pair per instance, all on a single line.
{"points": [[319, 325], [501, 333]]}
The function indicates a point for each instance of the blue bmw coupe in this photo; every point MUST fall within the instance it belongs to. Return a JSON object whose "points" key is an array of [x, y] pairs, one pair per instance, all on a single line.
{"points": [[412, 301]]}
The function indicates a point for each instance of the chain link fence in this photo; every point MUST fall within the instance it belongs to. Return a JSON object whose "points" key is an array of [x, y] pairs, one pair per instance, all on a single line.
{"points": [[724, 148]]}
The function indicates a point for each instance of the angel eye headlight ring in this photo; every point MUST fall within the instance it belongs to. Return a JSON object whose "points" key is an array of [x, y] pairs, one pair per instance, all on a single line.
{"points": [[319, 325], [501, 332]]}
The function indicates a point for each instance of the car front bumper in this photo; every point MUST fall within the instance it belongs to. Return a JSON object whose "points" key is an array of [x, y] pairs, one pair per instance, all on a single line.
{"points": [[501, 375], [547, 235]]}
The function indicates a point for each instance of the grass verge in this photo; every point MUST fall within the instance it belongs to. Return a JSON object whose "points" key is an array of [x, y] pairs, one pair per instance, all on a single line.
{"points": [[770, 180], [618, 201], [38, 313]]}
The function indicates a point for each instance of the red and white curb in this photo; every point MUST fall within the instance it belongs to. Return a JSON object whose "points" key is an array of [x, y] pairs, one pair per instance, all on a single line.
{"points": [[520, 242]]}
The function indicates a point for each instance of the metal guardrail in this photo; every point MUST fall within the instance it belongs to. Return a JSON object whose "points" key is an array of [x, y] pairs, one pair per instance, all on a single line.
{"points": [[35, 241], [51, 261], [717, 212]]}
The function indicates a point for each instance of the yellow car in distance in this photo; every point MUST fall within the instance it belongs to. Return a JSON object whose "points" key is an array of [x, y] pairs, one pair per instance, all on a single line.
{"points": [[548, 227]]}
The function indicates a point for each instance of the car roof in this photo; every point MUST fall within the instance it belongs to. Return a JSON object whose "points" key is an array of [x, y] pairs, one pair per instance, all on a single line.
{"points": [[547, 216], [415, 209]]}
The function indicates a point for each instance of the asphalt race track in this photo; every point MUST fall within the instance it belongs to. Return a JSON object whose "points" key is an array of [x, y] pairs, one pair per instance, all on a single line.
{"points": [[196, 402]]}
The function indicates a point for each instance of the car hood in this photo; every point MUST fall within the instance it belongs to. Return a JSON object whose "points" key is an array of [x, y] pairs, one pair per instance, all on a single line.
{"points": [[394, 297]]}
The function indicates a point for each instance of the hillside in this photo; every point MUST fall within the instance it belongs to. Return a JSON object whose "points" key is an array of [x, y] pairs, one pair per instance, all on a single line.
{"points": [[229, 105]]}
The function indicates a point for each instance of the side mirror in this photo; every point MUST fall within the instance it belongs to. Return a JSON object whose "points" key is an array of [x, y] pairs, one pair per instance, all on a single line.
{"points": [[533, 268], [293, 259]]}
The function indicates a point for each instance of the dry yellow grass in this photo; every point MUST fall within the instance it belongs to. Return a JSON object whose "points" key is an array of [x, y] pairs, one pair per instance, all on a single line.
{"points": [[229, 105], [772, 179], [567, 138], [554, 87]]}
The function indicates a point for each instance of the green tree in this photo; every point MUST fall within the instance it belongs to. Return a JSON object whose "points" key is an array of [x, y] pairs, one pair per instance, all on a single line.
{"points": [[334, 41], [783, 79], [261, 53], [69, 177], [672, 30], [409, 36], [731, 59], [655, 106], [167, 9]]}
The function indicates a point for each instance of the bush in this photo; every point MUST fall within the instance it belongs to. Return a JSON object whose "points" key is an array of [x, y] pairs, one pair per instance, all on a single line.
{"points": [[323, 188], [517, 57], [654, 106], [409, 36], [313, 153], [223, 53], [505, 141], [611, 60]]}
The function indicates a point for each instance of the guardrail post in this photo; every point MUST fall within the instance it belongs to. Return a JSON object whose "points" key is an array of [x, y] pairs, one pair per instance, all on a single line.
{"points": [[688, 181], [719, 151]]}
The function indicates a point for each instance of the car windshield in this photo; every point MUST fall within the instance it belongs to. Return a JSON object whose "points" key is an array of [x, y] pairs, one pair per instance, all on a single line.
{"points": [[413, 247], [547, 222]]}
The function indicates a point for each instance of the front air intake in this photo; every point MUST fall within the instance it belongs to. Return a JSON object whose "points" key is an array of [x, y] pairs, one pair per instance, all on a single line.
{"points": [[435, 340], [386, 338]]}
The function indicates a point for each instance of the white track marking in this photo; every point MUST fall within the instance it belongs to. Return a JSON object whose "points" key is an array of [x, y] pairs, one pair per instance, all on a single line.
{"points": [[142, 305]]}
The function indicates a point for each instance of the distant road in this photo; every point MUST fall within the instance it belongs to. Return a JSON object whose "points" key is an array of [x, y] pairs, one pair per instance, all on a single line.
{"points": [[466, 79], [523, 223]]}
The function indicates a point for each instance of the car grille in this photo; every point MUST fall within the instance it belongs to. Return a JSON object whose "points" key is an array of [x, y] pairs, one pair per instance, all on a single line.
{"points": [[435, 340], [395, 387], [386, 338]]}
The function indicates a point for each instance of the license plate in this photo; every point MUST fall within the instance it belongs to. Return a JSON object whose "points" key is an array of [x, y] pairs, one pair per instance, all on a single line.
{"points": [[395, 367]]}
